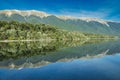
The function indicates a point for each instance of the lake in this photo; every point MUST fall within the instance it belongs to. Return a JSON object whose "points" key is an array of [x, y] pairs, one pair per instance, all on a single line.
{"points": [[82, 60]]}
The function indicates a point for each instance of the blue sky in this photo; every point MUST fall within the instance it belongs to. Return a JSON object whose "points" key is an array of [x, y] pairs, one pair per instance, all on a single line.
{"points": [[104, 9]]}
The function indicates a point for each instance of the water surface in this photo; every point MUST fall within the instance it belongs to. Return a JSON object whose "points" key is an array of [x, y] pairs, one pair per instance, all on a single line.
{"points": [[85, 60]]}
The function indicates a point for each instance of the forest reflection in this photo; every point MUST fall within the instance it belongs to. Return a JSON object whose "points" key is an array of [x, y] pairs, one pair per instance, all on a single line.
{"points": [[37, 53]]}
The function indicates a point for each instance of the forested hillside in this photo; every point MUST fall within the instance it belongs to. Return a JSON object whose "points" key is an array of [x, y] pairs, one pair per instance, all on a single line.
{"points": [[25, 31]]}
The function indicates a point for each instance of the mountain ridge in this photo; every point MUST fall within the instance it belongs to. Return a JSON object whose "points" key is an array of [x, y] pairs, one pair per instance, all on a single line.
{"points": [[89, 25], [44, 14]]}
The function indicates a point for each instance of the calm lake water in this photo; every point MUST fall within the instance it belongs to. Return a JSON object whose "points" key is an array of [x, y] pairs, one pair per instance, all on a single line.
{"points": [[84, 60]]}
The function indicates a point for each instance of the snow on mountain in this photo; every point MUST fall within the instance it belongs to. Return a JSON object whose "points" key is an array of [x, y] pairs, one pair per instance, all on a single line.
{"points": [[24, 13], [66, 17], [95, 19], [43, 14]]}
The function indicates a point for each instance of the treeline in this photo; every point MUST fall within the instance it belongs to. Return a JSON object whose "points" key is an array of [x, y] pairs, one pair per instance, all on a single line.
{"points": [[25, 31]]}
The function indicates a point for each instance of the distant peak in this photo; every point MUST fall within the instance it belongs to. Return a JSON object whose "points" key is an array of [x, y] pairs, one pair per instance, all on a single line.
{"points": [[24, 12], [95, 19], [91, 19], [66, 17]]}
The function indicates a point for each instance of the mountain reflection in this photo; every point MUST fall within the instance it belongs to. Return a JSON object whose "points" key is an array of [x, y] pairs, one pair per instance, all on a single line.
{"points": [[36, 54]]}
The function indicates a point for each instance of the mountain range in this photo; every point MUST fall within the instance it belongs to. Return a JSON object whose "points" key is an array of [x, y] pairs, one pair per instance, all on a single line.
{"points": [[86, 25]]}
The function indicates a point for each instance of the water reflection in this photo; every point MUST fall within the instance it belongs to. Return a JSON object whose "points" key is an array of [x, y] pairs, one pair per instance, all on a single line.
{"points": [[105, 68], [35, 54]]}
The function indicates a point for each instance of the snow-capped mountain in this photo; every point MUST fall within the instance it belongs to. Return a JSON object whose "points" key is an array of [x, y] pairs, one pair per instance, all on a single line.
{"points": [[24, 13], [89, 25]]}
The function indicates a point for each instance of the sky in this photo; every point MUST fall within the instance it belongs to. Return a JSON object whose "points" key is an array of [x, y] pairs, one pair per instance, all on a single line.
{"points": [[103, 9]]}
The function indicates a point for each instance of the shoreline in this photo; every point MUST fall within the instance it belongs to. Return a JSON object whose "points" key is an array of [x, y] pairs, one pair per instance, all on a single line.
{"points": [[30, 40], [25, 40]]}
